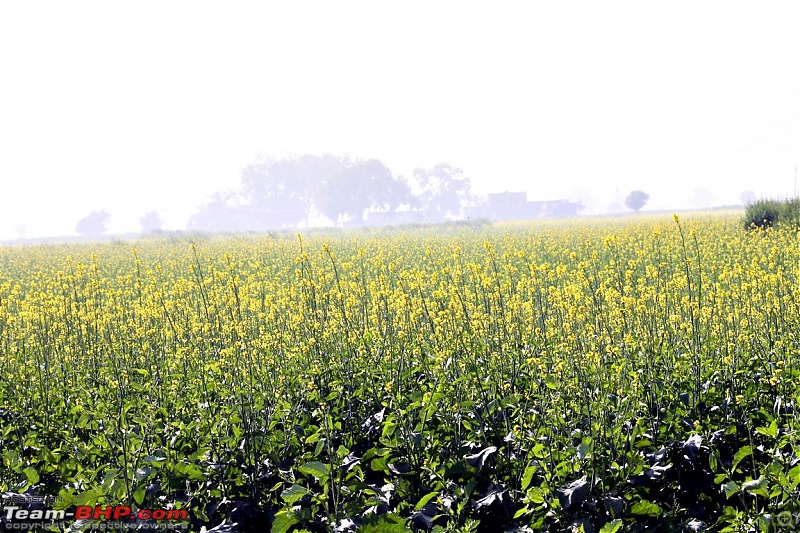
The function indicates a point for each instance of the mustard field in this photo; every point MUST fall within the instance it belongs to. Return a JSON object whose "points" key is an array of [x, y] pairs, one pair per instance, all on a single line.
{"points": [[598, 376]]}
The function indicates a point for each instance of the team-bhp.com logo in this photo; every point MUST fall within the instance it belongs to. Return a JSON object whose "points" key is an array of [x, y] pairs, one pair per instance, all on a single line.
{"points": [[23, 516]]}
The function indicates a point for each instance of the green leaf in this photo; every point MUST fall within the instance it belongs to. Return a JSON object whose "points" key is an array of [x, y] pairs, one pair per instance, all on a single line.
{"points": [[191, 471], [730, 488], [284, 520], [31, 475], [388, 429], [585, 448], [794, 476], [551, 383], [314, 437], [294, 493], [771, 431], [379, 464], [64, 499], [527, 477], [713, 462], [138, 495], [757, 486], [388, 523], [536, 495], [645, 508], [90, 497], [744, 451], [612, 527], [539, 451], [317, 469], [521, 511], [425, 499], [320, 446]]}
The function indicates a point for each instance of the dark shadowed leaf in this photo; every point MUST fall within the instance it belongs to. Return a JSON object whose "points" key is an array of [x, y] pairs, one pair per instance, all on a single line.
{"points": [[614, 505], [423, 519], [477, 460], [224, 528], [399, 468], [696, 525], [574, 494], [691, 447], [495, 495]]}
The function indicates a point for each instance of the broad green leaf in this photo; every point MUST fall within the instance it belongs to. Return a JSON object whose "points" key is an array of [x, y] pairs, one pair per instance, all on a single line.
{"points": [[794, 476], [539, 451], [520, 512], [388, 523], [138, 495], [756, 486], [284, 520], [379, 464], [584, 448], [612, 527], [527, 477], [388, 429], [730, 488], [90, 497], [424, 500], [645, 508], [294, 493], [31, 475], [713, 462], [535, 494], [770, 431], [317, 469], [744, 451]]}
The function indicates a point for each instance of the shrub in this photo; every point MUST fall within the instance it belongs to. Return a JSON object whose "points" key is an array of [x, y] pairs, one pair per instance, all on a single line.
{"points": [[790, 212], [763, 213]]}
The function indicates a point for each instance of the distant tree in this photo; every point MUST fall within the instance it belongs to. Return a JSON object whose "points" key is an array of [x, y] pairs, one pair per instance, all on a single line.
{"points": [[284, 192], [636, 200], [442, 188], [361, 186], [93, 224], [151, 222], [222, 213]]}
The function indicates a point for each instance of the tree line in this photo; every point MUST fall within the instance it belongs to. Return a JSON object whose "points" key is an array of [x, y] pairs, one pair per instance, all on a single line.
{"points": [[287, 192]]}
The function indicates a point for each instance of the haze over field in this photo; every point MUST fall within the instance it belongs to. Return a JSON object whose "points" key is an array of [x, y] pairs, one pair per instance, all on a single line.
{"points": [[134, 108]]}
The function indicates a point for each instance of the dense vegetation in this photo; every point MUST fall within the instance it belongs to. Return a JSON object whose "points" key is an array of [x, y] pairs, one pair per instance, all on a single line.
{"points": [[555, 376], [766, 213]]}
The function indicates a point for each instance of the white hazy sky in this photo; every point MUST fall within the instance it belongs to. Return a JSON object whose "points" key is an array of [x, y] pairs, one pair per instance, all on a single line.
{"points": [[139, 106]]}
